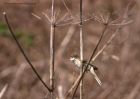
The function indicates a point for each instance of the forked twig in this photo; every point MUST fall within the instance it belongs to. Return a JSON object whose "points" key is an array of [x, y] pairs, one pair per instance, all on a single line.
{"points": [[110, 39], [115, 33], [94, 51], [63, 1], [106, 44], [76, 83], [46, 15], [25, 56]]}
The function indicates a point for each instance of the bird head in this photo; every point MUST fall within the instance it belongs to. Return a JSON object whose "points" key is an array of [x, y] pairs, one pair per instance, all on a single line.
{"points": [[73, 58]]}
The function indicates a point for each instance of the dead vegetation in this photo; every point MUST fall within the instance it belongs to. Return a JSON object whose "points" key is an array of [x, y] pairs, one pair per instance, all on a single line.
{"points": [[115, 23]]}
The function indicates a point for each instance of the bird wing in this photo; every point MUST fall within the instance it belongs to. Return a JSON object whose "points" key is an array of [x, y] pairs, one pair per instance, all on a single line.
{"points": [[85, 62]]}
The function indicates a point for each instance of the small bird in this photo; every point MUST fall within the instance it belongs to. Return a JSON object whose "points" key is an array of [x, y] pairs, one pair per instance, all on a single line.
{"points": [[76, 60]]}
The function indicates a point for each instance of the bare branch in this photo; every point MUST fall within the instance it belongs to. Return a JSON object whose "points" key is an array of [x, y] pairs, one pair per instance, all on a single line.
{"points": [[36, 16], [76, 84], [114, 34], [22, 51], [58, 24], [65, 41], [45, 14], [84, 71], [72, 87], [121, 24], [63, 1]]}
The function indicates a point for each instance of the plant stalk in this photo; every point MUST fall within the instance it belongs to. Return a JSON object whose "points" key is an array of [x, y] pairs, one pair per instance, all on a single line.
{"points": [[81, 47], [52, 39]]}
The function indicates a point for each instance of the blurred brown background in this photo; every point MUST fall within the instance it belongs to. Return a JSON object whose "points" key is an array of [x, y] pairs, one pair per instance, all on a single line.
{"points": [[118, 65]]}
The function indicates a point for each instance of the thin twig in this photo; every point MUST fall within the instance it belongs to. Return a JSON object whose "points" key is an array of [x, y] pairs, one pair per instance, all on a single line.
{"points": [[114, 34], [64, 18], [22, 51], [36, 16], [63, 1], [106, 44], [81, 46], [72, 87], [125, 23], [46, 15], [52, 39], [73, 23], [2, 92], [76, 83], [65, 42], [109, 41], [94, 51]]}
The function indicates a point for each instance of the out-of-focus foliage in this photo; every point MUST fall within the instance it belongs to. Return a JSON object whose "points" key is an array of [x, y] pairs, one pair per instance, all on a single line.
{"points": [[26, 38], [3, 29]]}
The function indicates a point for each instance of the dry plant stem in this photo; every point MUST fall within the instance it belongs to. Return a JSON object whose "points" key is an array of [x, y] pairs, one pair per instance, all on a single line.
{"points": [[73, 86], [52, 39], [2, 92], [108, 42], [74, 23], [100, 51], [84, 71], [81, 47], [65, 42], [36, 16], [48, 18], [114, 34], [22, 51], [79, 77], [63, 1]]}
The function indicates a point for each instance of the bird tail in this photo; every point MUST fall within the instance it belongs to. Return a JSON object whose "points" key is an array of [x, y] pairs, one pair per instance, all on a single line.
{"points": [[95, 76]]}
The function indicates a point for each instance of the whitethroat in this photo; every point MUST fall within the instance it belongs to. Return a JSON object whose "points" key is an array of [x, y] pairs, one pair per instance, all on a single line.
{"points": [[79, 63]]}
